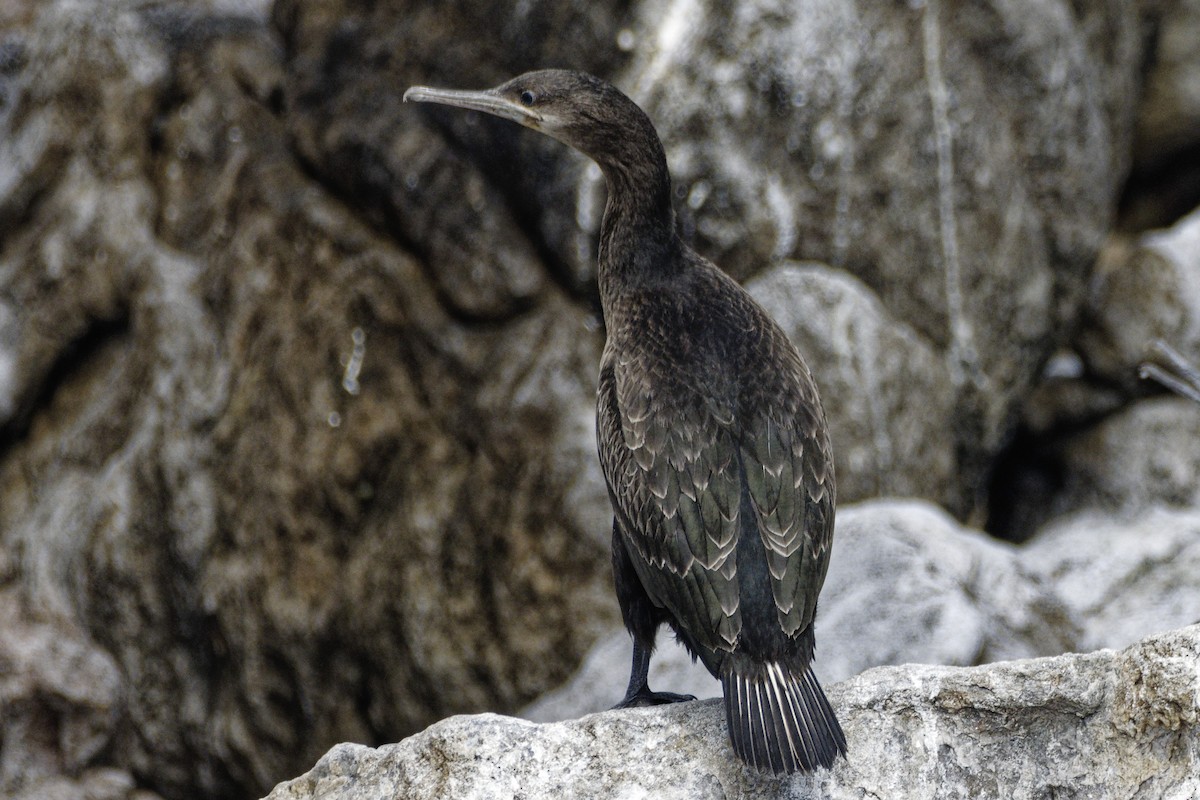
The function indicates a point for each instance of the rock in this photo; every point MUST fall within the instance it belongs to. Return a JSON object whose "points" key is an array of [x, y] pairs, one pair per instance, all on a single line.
{"points": [[1143, 584], [1143, 291], [962, 165], [887, 392], [249, 449], [1140, 458], [1092, 433], [1113, 724], [59, 697], [296, 383], [906, 584], [1163, 185]]}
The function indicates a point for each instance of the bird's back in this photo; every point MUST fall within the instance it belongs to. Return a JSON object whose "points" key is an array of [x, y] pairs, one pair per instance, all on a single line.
{"points": [[711, 433]]}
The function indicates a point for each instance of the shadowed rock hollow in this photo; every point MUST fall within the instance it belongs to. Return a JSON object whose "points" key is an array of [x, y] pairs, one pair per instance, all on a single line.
{"points": [[296, 382]]}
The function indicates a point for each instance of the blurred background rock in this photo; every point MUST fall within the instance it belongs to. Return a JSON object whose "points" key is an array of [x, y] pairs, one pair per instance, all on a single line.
{"points": [[296, 382]]}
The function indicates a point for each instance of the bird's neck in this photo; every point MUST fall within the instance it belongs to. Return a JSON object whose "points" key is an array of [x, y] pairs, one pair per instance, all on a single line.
{"points": [[638, 243]]}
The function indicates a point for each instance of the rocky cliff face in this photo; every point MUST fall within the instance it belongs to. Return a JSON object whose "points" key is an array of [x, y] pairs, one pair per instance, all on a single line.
{"points": [[296, 382]]}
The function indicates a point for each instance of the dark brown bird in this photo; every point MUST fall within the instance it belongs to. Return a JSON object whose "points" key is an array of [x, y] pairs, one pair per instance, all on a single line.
{"points": [[711, 435]]}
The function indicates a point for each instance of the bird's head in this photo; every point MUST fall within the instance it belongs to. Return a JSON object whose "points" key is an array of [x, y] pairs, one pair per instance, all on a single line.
{"points": [[578, 109]]}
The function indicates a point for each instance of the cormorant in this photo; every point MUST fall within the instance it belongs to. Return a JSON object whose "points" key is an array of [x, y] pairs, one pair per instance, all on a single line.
{"points": [[712, 440]]}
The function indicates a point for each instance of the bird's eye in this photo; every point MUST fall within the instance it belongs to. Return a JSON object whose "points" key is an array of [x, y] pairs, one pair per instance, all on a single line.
{"points": [[527, 98]]}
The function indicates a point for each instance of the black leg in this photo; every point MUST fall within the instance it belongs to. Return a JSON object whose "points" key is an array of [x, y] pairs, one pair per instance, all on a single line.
{"points": [[642, 619], [638, 693]]}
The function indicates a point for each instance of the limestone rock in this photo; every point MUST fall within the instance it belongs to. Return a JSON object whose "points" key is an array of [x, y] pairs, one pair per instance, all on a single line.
{"points": [[1105, 443], [59, 697], [248, 448], [1122, 578], [887, 392], [1144, 290], [1142, 457], [1113, 724], [906, 583], [961, 163]]}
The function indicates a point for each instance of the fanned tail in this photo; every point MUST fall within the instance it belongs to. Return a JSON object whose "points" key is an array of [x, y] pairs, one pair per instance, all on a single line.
{"points": [[779, 720]]}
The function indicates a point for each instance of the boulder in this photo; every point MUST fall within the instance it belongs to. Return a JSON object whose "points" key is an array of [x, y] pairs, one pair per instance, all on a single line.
{"points": [[906, 584], [1140, 458], [1098, 436], [1121, 578], [250, 451], [1114, 724], [962, 163], [1143, 290]]}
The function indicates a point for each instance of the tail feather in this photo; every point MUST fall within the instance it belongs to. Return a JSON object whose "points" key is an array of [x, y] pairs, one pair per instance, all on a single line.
{"points": [[780, 721]]}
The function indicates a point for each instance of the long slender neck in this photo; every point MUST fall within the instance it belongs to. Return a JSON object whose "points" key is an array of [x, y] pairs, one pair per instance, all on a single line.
{"points": [[637, 236]]}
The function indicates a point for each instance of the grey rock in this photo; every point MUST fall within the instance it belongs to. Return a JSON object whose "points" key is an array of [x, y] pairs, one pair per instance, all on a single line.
{"points": [[249, 448], [1144, 290], [961, 163], [1105, 724], [1169, 114], [909, 584], [906, 584], [887, 392], [1121, 578], [1142, 457], [59, 697]]}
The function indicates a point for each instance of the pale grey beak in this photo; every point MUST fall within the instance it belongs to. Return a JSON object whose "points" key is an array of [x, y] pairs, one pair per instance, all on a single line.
{"points": [[486, 101]]}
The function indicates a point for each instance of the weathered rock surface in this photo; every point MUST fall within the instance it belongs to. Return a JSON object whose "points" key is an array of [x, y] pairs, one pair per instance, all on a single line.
{"points": [[296, 382], [1142, 457], [906, 584], [885, 388], [248, 457], [1106, 724], [962, 163], [1104, 438], [60, 696], [1143, 290], [909, 585], [1146, 582]]}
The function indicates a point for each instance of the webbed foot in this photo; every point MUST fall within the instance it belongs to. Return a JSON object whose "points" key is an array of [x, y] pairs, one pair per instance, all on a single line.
{"points": [[645, 697]]}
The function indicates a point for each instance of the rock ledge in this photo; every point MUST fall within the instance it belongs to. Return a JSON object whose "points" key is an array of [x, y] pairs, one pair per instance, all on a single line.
{"points": [[1113, 724]]}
